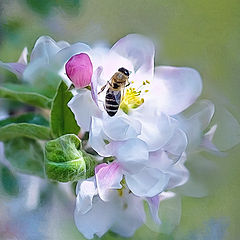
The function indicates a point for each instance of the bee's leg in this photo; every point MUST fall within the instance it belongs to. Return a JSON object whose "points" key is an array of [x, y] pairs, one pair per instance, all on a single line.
{"points": [[122, 97], [128, 83], [103, 88]]}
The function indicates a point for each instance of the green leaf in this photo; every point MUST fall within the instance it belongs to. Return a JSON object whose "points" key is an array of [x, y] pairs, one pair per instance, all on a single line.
{"points": [[9, 181], [25, 155], [66, 161], [31, 98], [26, 118], [28, 125], [33, 131], [62, 118]]}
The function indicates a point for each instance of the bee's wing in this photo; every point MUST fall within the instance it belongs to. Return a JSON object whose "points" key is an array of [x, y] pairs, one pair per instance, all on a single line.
{"points": [[117, 96]]}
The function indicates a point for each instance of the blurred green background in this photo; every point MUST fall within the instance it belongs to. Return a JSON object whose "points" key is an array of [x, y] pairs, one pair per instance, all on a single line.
{"points": [[201, 34]]}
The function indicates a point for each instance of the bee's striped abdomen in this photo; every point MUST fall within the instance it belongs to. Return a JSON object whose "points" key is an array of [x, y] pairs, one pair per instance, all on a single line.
{"points": [[112, 102]]}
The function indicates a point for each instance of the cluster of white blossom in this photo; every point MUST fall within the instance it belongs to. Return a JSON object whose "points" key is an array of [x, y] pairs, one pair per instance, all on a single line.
{"points": [[149, 138]]}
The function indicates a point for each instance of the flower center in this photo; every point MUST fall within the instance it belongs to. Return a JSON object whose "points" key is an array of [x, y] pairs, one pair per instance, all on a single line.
{"points": [[132, 98]]}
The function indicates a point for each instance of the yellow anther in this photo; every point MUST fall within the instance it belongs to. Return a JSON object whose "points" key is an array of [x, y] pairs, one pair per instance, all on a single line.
{"points": [[132, 97], [120, 192], [131, 100]]}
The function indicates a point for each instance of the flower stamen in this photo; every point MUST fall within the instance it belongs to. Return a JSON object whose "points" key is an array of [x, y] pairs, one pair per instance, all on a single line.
{"points": [[132, 99]]}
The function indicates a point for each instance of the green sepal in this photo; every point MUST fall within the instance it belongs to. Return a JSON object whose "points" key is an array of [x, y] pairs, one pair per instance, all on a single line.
{"points": [[65, 160], [62, 119]]}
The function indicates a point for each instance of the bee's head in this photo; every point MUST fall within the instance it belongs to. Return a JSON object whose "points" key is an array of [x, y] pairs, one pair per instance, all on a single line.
{"points": [[124, 71]]}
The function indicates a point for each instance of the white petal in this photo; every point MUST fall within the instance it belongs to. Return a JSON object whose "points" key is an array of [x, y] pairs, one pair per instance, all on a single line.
{"points": [[98, 220], [156, 127], [138, 49], [204, 115], [112, 63], [159, 159], [228, 134], [84, 108], [177, 144], [207, 143], [85, 191], [108, 177], [121, 128], [148, 182], [63, 44], [66, 53], [97, 138], [23, 58], [170, 213], [44, 48], [197, 123], [131, 154], [36, 70], [175, 89], [178, 173], [130, 217]]}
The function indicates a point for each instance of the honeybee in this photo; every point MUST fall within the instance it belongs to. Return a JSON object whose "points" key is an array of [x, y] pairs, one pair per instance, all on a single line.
{"points": [[114, 95]]}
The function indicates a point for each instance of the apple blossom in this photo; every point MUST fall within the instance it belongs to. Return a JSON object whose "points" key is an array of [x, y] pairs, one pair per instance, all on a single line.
{"points": [[149, 135]]}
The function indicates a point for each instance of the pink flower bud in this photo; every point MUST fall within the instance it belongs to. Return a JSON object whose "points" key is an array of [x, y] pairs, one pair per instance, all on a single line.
{"points": [[79, 69]]}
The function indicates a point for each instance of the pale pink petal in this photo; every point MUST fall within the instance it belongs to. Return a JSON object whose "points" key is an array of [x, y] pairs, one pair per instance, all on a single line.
{"points": [[94, 84], [108, 177], [175, 89], [155, 208], [16, 68], [207, 140], [148, 182], [153, 203], [138, 49], [79, 69]]}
